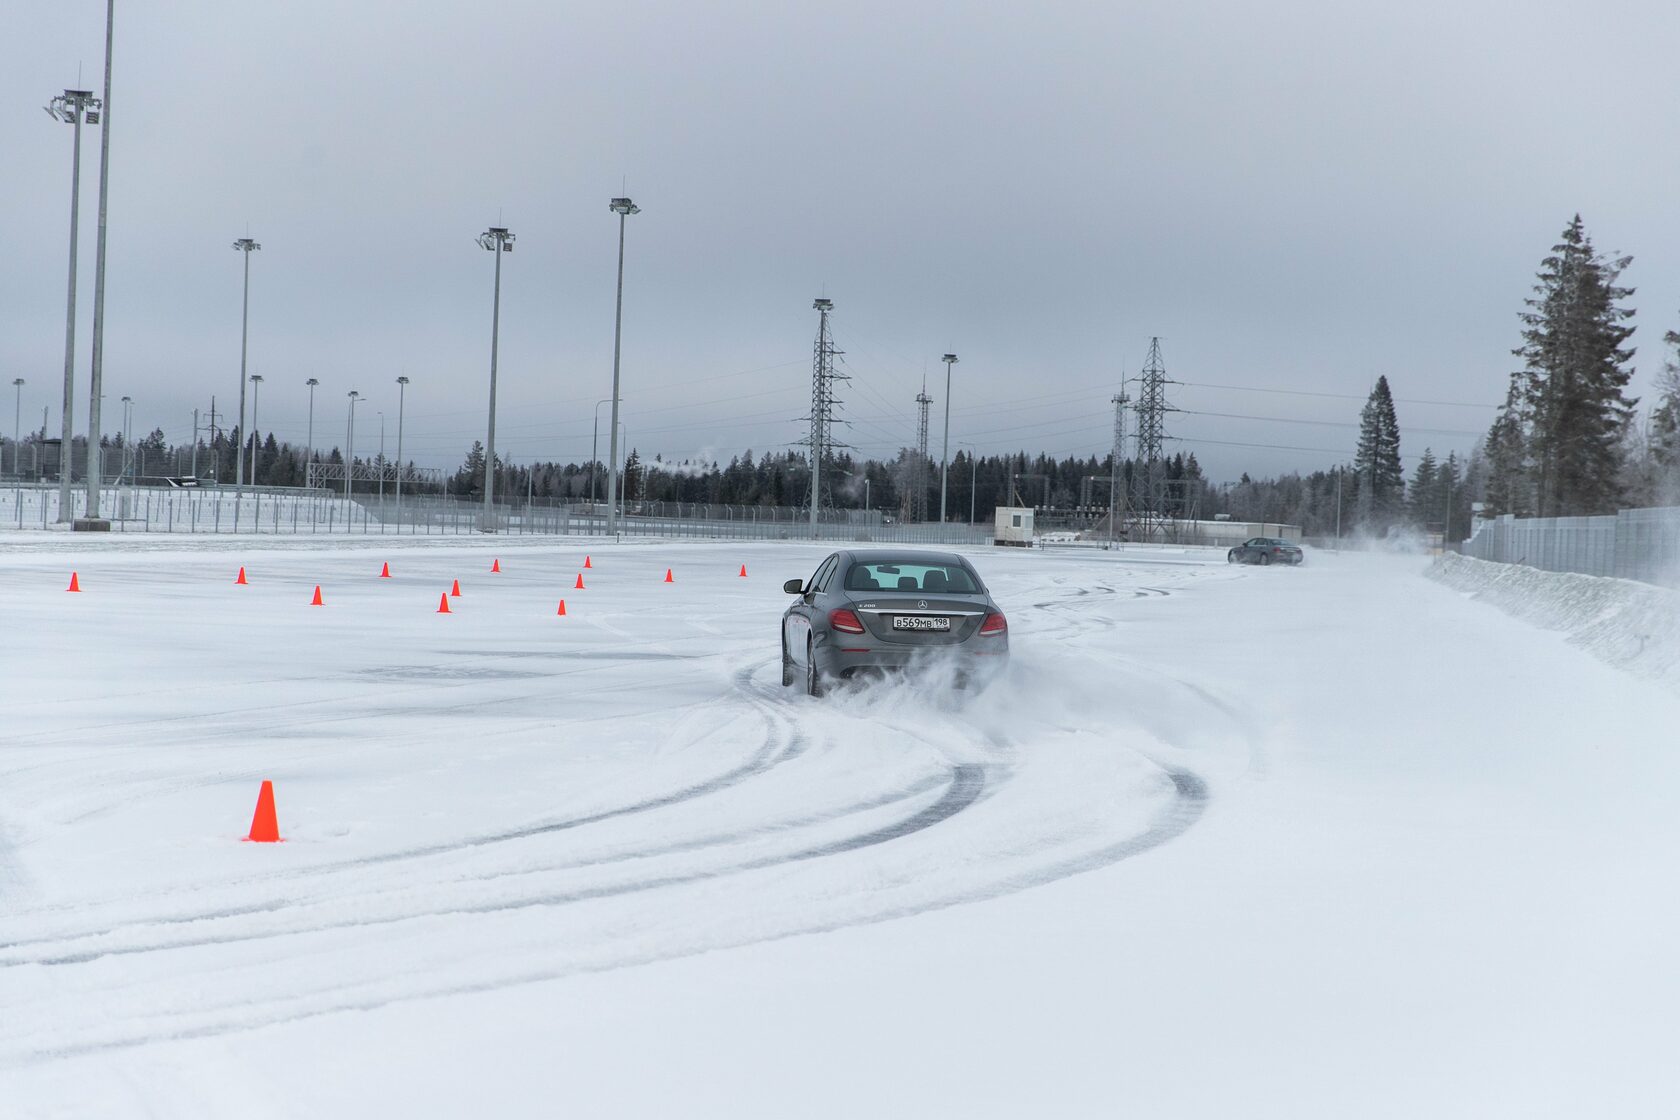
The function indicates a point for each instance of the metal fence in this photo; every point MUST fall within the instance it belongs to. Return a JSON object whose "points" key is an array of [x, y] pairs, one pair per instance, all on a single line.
{"points": [[1641, 544], [289, 511]]}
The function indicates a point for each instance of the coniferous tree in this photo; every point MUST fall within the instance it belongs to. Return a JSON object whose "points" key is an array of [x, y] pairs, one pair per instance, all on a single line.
{"points": [[1575, 368], [1382, 482], [1506, 449], [1664, 433], [1421, 497]]}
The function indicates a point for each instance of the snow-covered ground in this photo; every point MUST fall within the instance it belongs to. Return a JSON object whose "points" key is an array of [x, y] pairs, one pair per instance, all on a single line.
{"points": [[1326, 842]]}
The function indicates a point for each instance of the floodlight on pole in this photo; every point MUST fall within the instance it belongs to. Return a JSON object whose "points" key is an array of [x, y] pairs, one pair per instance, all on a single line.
{"points": [[246, 246], [497, 240], [623, 207], [74, 107], [256, 385], [945, 451], [309, 451], [402, 394], [350, 445]]}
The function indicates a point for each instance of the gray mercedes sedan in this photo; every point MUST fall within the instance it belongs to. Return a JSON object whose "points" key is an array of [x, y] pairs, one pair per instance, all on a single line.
{"points": [[879, 609]]}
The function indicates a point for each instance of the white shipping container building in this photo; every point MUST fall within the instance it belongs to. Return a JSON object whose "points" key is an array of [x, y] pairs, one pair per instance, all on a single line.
{"points": [[1014, 526]]}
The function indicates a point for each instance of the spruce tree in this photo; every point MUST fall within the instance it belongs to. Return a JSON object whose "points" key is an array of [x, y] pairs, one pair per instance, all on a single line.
{"points": [[1423, 490], [1506, 450], [1665, 425], [1382, 482], [1575, 368]]}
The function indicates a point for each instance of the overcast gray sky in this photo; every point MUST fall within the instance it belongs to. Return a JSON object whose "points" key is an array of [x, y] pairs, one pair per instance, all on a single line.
{"points": [[1296, 197]]}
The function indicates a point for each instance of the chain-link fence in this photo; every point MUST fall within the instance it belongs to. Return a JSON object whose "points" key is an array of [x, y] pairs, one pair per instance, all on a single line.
{"points": [[1641, 544], [271, 510]]}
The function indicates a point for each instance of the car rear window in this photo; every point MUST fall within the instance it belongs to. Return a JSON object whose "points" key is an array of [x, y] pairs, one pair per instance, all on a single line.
{"points": [[888, 575]]}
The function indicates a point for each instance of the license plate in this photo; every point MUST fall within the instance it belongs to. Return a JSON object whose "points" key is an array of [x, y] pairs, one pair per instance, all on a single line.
{"points": [[920, 622]]}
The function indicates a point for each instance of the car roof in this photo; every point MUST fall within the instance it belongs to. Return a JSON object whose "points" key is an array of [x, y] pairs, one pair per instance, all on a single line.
{"points": [[906, 555]]}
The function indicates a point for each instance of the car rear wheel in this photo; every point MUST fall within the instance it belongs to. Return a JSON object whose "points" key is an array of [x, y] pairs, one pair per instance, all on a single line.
{"points": [[1265, 558], [787, 664], [813, 676]]}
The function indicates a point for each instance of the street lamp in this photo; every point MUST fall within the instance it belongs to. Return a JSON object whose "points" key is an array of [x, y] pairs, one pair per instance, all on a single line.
{"points": [[402, 393], [350, 443], [246, 246], [382, 469], [595, 450], [498, 240], [944, 452], [128, 441], [17, 428], [623, 207], [96, 397], [75, 106], [309, 452], [256, 385]]}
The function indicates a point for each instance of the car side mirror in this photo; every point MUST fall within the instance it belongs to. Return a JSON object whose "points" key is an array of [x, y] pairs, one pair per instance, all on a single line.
{"points": [[794, 587]]}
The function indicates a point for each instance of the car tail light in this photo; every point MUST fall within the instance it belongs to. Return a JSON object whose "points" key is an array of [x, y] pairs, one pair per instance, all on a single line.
{"points": [[844, 621], [994, 624]]}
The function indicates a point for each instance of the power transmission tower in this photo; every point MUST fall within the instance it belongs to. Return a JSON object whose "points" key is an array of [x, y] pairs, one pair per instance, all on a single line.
{"points": [[823, 402], [919, 475], [1117, 500], [1150, 478]]}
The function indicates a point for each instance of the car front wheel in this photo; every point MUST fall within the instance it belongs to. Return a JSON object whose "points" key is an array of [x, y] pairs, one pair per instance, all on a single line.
{"points": [[787, 664], [1231, 557]]}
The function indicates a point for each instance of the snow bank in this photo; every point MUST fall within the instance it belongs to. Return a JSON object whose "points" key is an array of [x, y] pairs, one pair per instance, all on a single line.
{"points": [[1631, 625]]}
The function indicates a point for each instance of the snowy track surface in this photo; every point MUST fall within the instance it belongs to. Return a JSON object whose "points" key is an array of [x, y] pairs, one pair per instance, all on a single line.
{"points": [[606, 832]]}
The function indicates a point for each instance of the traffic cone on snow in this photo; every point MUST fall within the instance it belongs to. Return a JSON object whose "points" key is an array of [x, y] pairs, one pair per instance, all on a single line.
{"points": [[265, 828], [562, 609], [576, 586], [443, 603], [743, 571], [668, 578], [385, 570], [76, 586], [455, 590], [586, 562], [317, 601], [241, 580], [495, 565]]}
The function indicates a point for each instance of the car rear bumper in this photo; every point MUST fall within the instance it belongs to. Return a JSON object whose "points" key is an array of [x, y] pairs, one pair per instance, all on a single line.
{"points": [[844, 659]]}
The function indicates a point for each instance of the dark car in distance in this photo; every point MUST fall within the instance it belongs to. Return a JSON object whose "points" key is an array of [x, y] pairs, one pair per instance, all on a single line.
{"points": [[871, 610], [1265, 550]]}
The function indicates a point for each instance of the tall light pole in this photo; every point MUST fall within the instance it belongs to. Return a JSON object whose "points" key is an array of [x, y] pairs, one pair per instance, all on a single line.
{"points": [[96, 397], [595, 450], [623, 207], [382, 464], [973, 478], [309, 452], [75, 106], [256, 386], [944, 451], [17, 428], [498, 240], [128, 441], [350, 444], [402, 393], [246, 246]]}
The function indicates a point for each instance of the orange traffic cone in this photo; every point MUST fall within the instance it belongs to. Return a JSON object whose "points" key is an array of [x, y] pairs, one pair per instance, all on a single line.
{"points": [[443, 604], [586, 562], [577, 586], [668, 578], [316, 602], [75, 585], [743, 571], [385, 570], [265, 829], [495, 565], [562, 609], [455, 589], [241, 578]]}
